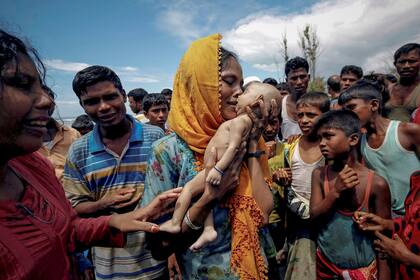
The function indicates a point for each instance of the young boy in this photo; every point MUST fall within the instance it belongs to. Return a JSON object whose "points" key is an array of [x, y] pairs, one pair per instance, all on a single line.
{"points": [[391, 148], [226, 142], [156, 109], [338, 190], [302, 156]]}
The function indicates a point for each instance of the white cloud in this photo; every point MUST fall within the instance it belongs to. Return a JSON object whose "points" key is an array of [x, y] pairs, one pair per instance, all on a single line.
{"points": [[66, 66], [361, 32], [142, 79], [129, 69], [67, 102]]}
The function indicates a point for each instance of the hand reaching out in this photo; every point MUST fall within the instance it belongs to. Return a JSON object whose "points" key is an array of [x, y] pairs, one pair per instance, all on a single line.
{"points": [[283, 176], [136, 220], [372, 222]]}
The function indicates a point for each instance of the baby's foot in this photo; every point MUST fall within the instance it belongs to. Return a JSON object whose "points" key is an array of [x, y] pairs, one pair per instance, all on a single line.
{"points": [[170, 226], [208, 235]]}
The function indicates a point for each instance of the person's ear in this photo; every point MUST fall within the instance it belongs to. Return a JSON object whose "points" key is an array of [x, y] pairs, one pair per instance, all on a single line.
{"points": [[309, 76], [354, 139], [374, 105]]}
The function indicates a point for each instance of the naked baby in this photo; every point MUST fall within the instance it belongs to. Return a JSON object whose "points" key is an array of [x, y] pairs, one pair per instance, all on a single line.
{"points": [[226, 142]]}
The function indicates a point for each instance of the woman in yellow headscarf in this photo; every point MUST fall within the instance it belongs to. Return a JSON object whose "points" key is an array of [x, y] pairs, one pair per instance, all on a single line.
{"points": [[206, 87]]}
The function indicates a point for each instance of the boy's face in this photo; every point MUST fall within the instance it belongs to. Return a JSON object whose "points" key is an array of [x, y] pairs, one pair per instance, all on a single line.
{"points": [[362, 108], [307, 116], [334, 142], [157, 115], [272, 129]]}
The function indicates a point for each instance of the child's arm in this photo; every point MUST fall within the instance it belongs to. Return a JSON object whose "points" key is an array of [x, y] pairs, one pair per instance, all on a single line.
{"points": [[237, 128], [382, 207], [410, 137]]}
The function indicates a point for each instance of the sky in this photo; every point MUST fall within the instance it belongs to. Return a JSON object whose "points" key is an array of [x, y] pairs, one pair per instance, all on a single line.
{"points": [[144, 40]]}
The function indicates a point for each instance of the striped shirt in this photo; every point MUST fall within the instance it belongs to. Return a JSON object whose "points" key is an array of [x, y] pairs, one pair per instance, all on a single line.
{"points": [[90, 172]]}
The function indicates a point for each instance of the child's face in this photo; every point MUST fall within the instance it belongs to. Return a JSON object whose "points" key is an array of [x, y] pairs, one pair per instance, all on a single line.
{"points": [[272, 129], [157, 115], [334, 142], [362, 108], [307, 117]]}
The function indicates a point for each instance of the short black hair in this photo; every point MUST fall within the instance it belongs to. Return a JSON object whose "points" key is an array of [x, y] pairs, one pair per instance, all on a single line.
{"points": [[93, 75], [270, 81], [82, 122], [296, 63], [137, 94], [166, 91], [316, 99], [10, 47], [406, 49], [344, 120], [363, 89], [352, 69], [154, 99], [333, 83]]}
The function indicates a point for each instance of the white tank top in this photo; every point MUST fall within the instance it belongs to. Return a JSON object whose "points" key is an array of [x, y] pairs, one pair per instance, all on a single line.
{"points": [[302, 173], [289, 126]]}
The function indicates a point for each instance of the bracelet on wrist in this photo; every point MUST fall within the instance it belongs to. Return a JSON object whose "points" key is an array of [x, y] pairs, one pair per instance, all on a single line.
{"points": [[188, 222], [218, 170]]}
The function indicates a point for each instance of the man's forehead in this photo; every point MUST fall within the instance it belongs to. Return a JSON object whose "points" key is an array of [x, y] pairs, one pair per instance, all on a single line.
{"points": [[298, 71]]}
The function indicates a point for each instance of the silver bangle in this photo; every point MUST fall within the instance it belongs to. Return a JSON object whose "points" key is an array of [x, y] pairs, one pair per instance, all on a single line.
{"points": [[187, 221]]}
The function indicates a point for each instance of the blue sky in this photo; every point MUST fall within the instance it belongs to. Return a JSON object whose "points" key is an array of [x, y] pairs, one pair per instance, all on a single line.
{"points": [[144, 40]]}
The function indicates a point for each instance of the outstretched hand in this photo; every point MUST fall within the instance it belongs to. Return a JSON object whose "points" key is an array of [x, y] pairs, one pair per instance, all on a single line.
{"points": [[395, 248], [260, 119], [137, 219], [371, 222]]}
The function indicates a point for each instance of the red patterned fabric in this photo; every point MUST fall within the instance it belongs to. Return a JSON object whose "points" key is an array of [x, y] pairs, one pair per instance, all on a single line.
{"points": [[408, 228], [39, 232]]}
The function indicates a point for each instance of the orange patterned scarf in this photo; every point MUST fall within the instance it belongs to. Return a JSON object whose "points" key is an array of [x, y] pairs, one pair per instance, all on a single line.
{"points": [[195, 116]]}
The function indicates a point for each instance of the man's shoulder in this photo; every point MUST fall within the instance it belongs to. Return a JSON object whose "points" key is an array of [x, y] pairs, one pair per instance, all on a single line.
{"points": [[152, 132], [79, 147]]}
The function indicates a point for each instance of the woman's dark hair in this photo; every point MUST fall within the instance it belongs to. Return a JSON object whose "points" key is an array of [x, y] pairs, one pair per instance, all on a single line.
{"points": [[225, 55], [93, 75], [10, 47]]}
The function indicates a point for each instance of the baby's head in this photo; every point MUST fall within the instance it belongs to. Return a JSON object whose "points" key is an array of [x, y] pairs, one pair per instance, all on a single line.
{"points": [[255, 91]]}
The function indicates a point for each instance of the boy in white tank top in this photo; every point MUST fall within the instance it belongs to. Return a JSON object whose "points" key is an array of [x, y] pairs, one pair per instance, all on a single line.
{"points": [[303, 157], [389, 147]]}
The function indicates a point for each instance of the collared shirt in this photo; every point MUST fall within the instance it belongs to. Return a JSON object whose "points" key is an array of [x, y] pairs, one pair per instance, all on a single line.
{"points": [[91, 171], [56, 150]]}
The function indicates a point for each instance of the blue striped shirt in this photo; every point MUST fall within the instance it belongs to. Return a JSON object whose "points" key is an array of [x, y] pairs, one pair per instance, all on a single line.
{"points": [[90, 172]]}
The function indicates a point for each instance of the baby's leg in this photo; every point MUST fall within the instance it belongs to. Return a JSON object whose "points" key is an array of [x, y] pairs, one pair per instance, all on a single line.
{"points": [[209, 234], [191, 189]]}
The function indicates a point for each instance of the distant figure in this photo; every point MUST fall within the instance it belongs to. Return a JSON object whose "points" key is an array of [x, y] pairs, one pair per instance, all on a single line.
{"points": [[270, 81], [135, 99], [405, 95], [333, 84], [297, 78], [57, 141], [349, 75], [167, 92], [284, 88], [156, 109], [83, 124]]}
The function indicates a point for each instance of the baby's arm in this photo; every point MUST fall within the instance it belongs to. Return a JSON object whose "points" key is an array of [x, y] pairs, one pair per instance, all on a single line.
{"points": [[236, 133]]}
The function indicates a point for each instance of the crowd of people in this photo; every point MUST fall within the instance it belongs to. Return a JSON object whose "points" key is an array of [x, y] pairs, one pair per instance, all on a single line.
{"points": [[220, 178]]}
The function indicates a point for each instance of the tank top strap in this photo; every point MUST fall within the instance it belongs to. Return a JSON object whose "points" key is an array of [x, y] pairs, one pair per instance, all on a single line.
{"points": [[326, 183], [368, 190]]}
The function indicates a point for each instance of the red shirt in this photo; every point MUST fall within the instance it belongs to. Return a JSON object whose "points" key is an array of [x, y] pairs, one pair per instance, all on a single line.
{"points": [[40, 231]]}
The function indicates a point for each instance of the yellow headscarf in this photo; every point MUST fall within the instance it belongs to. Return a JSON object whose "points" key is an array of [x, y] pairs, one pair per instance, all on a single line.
{"points": [[195, 116]]}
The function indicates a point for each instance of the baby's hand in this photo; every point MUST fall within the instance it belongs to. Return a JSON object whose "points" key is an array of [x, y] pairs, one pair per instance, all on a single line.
{"points": [[214, 177]]}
